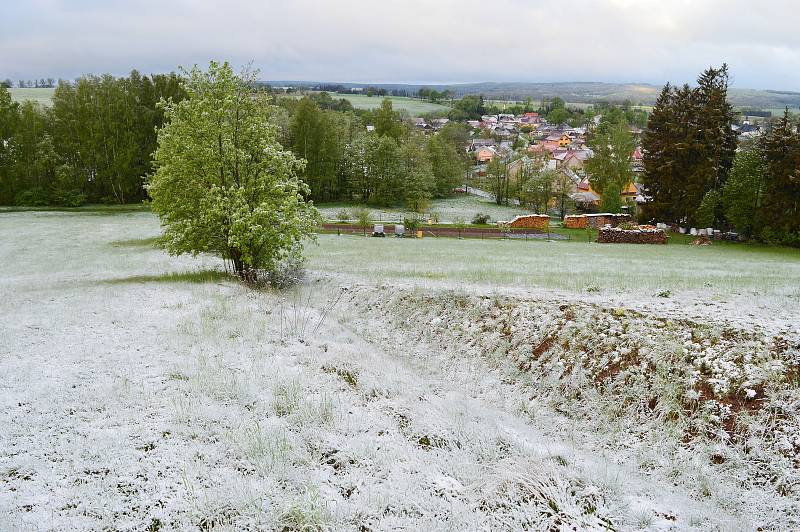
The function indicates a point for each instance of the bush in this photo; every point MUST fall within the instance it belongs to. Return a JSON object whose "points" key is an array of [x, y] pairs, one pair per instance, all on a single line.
{"points": [[411, 224], [343, 215], [285, 274], [779, 237], [362, 216], [628, 226], [67, 198], [35, 197], [481, 219]]}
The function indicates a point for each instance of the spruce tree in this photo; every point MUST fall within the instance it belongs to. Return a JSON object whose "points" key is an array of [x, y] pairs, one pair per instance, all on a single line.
{"points": [[658, 158]]}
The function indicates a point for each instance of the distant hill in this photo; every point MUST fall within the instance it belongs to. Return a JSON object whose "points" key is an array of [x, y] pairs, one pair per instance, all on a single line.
{"points": [[577, 92], [580, 92]]}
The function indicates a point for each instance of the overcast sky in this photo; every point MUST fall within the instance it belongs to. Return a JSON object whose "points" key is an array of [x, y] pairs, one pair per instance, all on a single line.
{"points": [[410, 41]]}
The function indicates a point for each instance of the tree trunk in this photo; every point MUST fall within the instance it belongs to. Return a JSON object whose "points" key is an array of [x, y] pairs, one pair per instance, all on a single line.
{"points": [[238, 265]]}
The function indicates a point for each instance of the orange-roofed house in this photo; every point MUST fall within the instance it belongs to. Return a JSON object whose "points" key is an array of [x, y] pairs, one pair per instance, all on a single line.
{"points": [[486, 154]]}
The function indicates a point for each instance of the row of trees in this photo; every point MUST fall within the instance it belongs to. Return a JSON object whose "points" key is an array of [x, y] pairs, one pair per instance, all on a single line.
{"points": [[391, 164], [42, 83], [698, 174], [93, 143]]}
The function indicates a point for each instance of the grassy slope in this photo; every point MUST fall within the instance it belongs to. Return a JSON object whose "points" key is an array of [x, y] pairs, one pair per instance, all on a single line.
{"points": [[216, 417], [575, 266], [138, 396], [465, 207]]}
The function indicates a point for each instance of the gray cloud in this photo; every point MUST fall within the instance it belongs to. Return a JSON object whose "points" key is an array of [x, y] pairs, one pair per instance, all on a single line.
{"points": [[412, 40]]}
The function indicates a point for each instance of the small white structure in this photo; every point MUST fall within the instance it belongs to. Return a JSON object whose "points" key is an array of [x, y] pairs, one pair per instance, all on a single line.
{"points": [[399, 230]]}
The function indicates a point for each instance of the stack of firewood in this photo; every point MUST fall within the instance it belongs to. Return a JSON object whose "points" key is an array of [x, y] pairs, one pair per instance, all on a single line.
{"points": [[614, 235]]}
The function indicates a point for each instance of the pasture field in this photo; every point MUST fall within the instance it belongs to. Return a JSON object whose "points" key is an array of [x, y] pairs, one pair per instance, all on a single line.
{"points": [[413, 106], [735, 280], [41, 96], [465, 207], [403, 384]]}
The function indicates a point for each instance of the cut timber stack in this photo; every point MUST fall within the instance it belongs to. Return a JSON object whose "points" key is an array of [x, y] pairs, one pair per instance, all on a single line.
{"points": [[606, 218], [614, 235], [582, 221], [575, 221], [529, 221]]}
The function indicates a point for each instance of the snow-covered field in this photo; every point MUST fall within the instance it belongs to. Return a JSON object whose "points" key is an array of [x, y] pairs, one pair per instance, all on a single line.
{"points": [[397, 388], [463, 206]]}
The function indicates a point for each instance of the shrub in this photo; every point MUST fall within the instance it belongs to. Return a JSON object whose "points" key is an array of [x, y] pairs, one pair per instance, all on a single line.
{"points": [[285, 274], [481, 219], [343, 215], [628, 226], [67, 198], [362, 218], [34, 197], [779, 237], [411, 224]]}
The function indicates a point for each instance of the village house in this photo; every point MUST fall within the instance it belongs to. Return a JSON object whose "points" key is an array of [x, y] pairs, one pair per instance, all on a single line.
{"points": [[530, 118], [572, 159], [589, 199], [485, 154]]}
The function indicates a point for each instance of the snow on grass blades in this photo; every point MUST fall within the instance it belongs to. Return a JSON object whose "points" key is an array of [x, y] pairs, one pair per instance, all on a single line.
{"points": [[712, 407]]}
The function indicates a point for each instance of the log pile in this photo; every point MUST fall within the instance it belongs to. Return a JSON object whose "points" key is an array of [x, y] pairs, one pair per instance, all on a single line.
{"points": [[602, 219], [575, 221], [529, 221], [614, 235], [582, 221]]}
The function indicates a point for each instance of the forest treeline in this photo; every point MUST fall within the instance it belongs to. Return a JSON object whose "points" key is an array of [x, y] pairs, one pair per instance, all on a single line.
{"points": [[371, 156], [94, 144]]}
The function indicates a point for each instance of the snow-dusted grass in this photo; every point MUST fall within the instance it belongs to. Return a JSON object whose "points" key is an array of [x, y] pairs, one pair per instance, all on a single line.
{"points": [[464, 207], [714, 408], [720, 270], [140, 390]]}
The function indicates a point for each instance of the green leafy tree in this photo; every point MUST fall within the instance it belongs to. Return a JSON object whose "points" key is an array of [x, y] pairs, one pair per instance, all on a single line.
{"points": [[558, 116], [609, 168], [362, 218], [459, 224], [419, 186], [469, 107], [9, 120], [563, 188], [387, 121], [534, 184], [448, 164], [742, 194], [222, 184], [780, 148], [497, 179], [384, 170], [706, 212]]}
